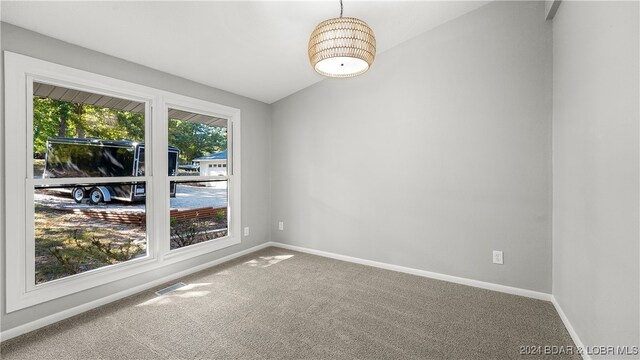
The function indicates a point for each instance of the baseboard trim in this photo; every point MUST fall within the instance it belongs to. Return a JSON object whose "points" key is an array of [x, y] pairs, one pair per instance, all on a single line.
{"points": [[48, 320], [570, 329], [53, 318], [433, 275]]}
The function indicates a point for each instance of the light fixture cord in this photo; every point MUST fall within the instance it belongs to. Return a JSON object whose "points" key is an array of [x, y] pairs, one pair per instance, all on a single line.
{"points": [[341, 8]]}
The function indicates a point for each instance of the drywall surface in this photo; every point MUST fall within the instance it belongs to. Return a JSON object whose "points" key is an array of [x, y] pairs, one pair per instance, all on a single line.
{"points": [[595, 169], [434, 158], [256, 144]]}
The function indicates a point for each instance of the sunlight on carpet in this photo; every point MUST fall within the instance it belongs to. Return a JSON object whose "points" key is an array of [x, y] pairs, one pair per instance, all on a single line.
{"points": [[266, 261], [184, 292]]}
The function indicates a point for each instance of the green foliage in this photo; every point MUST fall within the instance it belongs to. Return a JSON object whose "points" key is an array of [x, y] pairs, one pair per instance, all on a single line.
{"points": [[52, 118], [109, 124], [195, 140], [221, 215], [47, 115], [193, 231], [82, 252]]}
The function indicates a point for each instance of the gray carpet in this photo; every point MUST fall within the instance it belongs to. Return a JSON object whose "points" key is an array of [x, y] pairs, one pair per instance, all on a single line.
{"points": [[281, 304]]}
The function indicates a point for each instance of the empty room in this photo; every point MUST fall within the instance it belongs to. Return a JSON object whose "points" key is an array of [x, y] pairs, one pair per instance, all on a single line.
{"points": [[320, 179]]}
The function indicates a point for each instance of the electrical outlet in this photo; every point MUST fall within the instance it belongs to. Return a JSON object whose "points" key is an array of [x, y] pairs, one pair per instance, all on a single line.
{"points": [[246, 231], [281, 225], [497, 257]]}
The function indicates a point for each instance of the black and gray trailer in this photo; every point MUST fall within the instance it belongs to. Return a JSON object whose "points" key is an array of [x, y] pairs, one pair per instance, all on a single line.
{"points": [[76, 158]]}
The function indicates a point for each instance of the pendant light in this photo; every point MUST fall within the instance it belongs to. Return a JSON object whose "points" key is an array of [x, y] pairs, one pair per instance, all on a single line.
{"points": [[342, 47]]}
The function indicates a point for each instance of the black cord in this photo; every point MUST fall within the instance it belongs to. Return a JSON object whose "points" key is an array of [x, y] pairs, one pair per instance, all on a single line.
{"points": [[341, 8]]}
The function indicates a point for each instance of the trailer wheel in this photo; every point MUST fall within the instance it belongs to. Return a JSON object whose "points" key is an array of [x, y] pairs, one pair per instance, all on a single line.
{"points": [[95, 196], [78, 194]]}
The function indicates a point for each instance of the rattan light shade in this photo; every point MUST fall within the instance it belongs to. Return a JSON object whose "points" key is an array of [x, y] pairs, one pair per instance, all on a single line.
{"points": [[342, 47]]}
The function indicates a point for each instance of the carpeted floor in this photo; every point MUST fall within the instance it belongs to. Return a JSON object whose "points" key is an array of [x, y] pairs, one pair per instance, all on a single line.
{"points": [[277, 304]]}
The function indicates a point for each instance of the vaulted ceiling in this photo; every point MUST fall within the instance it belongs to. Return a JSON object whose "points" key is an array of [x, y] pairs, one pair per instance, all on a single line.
{"points": [[257, 49]]}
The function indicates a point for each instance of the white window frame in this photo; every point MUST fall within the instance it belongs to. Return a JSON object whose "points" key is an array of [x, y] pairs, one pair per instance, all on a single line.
{"points": [[20, 72], [184, 103]]}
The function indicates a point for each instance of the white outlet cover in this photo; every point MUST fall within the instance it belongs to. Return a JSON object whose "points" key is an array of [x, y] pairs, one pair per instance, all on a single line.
{"points": [[497, 257], [246, 231], [281, 225]]}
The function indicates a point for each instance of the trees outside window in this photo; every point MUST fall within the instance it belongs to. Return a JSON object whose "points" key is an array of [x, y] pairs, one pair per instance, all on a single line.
{"points": [[90, 164]]}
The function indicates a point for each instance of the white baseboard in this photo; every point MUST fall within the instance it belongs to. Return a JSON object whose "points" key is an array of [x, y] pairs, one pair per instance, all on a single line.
{"points": [[476, 283], [570, 329], [429, 274], [36, 324]]}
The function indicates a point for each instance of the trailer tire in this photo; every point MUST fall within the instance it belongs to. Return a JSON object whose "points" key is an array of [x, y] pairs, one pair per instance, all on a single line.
{"points": [[96, 196], [78, 194]]}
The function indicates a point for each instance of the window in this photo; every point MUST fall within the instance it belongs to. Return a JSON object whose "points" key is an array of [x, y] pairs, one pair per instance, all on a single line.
{"points": [[198, 211], [88, 206], [88, 211]]}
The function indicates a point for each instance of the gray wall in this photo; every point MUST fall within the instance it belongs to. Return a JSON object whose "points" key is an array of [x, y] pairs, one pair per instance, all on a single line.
{"points": [[256, 143], [437, 156], [441, 154], [595, 168]]}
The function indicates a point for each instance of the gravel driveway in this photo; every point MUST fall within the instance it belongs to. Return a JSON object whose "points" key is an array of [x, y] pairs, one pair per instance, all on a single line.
{"points": [[193, 197]]}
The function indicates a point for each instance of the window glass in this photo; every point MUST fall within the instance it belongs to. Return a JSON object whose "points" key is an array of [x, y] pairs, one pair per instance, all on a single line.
{"points": [[198, 140], [198, 209], [198, 212], [80, 226], [80, 175], [73, 237], [82, 134]]}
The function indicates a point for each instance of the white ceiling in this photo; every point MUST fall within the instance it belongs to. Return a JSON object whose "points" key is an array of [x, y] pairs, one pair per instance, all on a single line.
{"points": [[257, 49]]}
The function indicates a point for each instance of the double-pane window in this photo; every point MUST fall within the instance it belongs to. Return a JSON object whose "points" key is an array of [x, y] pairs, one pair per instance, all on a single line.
{"points": [[88, 181], [199, 195], [107, 179]]}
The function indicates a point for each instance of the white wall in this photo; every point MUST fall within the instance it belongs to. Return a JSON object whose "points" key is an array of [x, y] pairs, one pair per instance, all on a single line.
{"points": [[595, 168], [437, 156], [256, 144]]}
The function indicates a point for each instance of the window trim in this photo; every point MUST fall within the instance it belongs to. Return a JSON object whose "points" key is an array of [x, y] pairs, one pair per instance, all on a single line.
{"points": [[20, 71], [184, 103]]}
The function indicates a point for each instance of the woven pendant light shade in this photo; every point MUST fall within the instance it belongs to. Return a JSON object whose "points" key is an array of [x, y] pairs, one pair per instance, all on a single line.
{"points": [[342, 47]]}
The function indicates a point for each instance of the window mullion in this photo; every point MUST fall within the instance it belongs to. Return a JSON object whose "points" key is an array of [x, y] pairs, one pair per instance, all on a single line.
{"points": [[87, 180], [24, 77], [161, 187]]}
